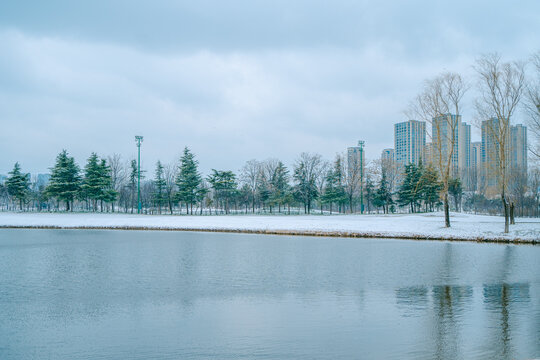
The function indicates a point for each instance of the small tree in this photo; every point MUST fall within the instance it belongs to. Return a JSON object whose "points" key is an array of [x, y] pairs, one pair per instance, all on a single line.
{"points": [[65, 181], [188, 180], [159, 187], [18, 185]]}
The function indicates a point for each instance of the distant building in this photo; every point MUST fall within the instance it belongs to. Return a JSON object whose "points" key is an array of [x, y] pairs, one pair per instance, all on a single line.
{"points": [[461, 150], [409, 142], [476, 165], [388, 155], [356, 158], [515, 141], [518, 149], [428, 154]]}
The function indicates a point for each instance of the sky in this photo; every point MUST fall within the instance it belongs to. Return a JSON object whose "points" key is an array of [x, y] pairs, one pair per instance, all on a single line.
{"points": [[232, 80]]}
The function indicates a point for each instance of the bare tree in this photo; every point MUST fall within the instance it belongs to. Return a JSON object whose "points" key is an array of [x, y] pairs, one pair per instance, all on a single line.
{"points": [[439, 104], [250, 175], [321, 180], [169, 173], [118, 174], [500, 88], [532, 103], [352, 178], [306, 171]]}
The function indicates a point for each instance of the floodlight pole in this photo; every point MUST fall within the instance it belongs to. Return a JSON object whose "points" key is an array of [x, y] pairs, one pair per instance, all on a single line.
{"points": [[138, 141]]}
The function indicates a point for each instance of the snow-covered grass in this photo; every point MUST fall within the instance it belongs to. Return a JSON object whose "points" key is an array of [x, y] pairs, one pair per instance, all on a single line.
{"points": [[415, 226]]}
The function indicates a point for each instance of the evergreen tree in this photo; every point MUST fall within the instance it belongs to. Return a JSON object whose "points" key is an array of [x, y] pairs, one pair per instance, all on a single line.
{"points": [[92, 184], [334, 193], [188, 180], [456, 190], [224, 185], [18, 185], [431, 187], [65, 181], [383, 196], [159, 186], [411, 189], [280, 184], [370, 192], [132, 184], [108, 193]]}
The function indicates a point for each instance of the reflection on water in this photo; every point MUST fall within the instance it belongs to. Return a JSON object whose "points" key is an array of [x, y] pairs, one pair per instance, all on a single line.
{"points": [[116, 294]]}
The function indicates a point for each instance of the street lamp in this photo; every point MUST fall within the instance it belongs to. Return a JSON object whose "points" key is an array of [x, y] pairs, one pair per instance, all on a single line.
{"points": [[138, 141]]}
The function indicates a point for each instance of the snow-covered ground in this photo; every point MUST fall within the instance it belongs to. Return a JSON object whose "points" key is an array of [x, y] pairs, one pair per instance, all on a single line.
{"points": [[426, 226]]}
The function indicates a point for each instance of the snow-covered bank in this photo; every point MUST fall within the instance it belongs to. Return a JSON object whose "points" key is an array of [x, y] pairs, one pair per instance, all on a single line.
{"points": [[414, 226]]}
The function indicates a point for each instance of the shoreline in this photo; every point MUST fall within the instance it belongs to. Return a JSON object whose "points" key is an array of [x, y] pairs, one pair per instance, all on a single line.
{"points": [[315, 233]]}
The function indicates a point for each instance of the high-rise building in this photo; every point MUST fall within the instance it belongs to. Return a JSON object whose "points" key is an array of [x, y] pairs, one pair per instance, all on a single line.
{"points": [[388, 155], [409, 142], [428, 154], [356, 163], [476, 164], [356, 159], [515, 140], [518, 149]]}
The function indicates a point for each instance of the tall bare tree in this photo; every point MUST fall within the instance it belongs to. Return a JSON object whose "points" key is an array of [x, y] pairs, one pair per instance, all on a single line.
{"points": [[500, 88], [118, 174], [306, 171], [532, 103], [439, 104], [250, 175]]}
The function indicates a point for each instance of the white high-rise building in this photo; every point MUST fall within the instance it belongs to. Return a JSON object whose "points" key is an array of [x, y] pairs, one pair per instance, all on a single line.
{"points": [[409, 142]]}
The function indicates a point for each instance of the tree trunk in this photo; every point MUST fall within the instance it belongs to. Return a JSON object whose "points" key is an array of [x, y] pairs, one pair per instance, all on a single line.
{"points": [[446, 211], [506, 214], [512, 220]]}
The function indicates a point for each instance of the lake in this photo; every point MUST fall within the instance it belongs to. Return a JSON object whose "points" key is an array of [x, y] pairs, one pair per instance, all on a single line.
{"points": [[104, 294]]}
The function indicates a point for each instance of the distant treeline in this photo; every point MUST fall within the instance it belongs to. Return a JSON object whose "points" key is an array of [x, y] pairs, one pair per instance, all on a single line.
{"points": [[342, 186]]}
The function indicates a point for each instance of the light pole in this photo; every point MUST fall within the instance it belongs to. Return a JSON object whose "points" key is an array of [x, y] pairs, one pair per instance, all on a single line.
{"points": [[138, 141], [361, 145]]}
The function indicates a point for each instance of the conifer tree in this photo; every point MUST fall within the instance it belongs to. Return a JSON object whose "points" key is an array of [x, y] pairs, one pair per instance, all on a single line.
{"points": [[280, 184], [65, 181], [18, 184], [383, 196], [108, 194], [432, 187], [188, 180], [159, 186], [224, 185], [92, 184]]}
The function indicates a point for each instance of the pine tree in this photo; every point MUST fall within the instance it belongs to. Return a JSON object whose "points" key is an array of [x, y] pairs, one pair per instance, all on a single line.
{"points": [[159, 185], [65, 181], [383, 196], [132, 185], [280, 184], [224, 185], [432, 187], [92, 184], [411, 189], [18, 185], [456, 190], [188, 180], [108, 194]]}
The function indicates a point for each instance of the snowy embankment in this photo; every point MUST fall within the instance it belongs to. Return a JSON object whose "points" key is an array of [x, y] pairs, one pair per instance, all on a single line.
{"points": [[413, 226]]}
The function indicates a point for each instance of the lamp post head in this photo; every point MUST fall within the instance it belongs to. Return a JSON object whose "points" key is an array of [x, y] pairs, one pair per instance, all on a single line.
{"points": [[361, 143], [138, 140]]}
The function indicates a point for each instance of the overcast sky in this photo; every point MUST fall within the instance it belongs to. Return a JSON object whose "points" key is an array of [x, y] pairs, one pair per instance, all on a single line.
{"points": [[232, 80]]}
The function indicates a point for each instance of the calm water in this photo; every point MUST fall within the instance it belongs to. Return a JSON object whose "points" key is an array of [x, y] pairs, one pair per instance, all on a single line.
{"points": [[76, 294]]}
